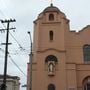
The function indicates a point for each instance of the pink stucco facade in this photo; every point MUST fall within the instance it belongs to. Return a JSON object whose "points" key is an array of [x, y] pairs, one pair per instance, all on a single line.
{"points": [[53, 37]]}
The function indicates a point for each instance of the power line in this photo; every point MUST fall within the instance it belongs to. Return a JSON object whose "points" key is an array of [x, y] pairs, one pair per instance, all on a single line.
{"points": [[20, 46], [17, 42], [14, 62], [17, 66]]}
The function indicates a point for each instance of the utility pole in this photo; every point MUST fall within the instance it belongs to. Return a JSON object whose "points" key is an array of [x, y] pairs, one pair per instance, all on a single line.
{"points": [[30, 61], [3, 86]]}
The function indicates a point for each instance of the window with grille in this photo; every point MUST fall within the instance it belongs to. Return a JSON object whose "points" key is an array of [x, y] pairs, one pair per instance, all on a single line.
{"points": [[86, 52]]}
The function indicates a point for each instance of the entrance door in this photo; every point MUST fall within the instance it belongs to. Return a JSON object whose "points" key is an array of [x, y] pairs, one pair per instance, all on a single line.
{"points": [[87, 86]]}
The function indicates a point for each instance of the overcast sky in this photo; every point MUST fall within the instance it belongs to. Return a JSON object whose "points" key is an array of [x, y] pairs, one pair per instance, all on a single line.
{"points": [[25, 12]]}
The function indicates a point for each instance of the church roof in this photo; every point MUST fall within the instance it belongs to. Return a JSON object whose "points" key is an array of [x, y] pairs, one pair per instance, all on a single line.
{"points": [[51, 8]]}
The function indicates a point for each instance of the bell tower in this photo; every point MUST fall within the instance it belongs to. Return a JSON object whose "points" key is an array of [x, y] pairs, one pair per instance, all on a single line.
{"points": [[50, 28], [48, 68]]}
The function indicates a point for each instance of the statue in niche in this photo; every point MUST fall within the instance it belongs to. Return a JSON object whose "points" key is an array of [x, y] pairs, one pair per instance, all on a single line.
{"points": [[51, 67], [51, 62]]}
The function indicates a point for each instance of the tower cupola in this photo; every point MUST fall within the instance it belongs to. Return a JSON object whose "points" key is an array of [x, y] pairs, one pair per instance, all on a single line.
{"points": [[51, 8]]}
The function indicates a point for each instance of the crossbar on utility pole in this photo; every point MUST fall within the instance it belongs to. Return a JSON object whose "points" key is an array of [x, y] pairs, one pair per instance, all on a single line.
{"points": [[3, 86]]}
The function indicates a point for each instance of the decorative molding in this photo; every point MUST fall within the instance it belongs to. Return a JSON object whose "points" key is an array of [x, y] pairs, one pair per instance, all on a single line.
{"points": [[40, 51]]}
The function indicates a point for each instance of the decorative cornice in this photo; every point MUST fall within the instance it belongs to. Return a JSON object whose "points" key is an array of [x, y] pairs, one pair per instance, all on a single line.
{"points": [[45, 50]]}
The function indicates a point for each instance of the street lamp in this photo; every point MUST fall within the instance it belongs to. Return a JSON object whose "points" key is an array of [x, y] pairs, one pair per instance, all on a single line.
{"points": [[30, 61]]}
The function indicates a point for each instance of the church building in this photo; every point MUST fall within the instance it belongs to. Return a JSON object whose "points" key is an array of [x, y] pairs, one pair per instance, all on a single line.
{"points": [[60, 56]]}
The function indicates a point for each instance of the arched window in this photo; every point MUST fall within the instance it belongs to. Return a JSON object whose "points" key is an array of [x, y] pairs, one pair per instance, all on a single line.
{"points": [[51, 58], [51, 87], [51, 17], [86, 83], [86, 52], [87, 86], [51, 35]]}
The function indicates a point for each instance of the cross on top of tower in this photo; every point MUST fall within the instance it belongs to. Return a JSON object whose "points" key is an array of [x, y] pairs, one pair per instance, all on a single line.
{"points": [[51, 2]]}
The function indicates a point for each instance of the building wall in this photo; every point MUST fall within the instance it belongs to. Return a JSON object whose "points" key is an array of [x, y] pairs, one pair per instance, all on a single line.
{"points": [[70, 70], [12, 84]]}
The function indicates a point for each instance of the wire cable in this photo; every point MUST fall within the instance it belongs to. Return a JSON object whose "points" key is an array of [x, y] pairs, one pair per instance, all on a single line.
{"points": [[12, 35], [17, 42], [14, 63], [17, 66], [20, 46]]}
